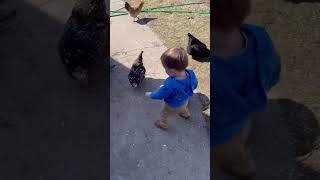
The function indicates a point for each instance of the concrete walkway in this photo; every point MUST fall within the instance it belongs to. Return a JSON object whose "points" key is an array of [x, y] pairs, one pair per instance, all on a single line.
{"points": [[139, 150]]}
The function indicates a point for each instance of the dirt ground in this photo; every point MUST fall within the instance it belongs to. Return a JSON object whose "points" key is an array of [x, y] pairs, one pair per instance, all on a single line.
{"points": [[295, 31], [295, 101], [49, 128]]}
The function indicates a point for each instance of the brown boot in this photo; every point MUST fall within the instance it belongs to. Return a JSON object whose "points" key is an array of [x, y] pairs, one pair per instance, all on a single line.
{"points": [[160, 124], [184, 111], [184, 116]]}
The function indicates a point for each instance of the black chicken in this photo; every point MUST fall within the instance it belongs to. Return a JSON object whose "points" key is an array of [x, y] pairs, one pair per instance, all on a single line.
{"points": [[83, 45], [196, 48], [137, 72]]}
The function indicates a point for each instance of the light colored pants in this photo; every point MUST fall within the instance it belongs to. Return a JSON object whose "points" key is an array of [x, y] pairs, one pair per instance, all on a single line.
{"points": [[183, 111], [234, 157]]}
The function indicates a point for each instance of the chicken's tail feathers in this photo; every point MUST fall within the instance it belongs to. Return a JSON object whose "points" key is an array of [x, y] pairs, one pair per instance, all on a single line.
{"points": [[207, 52], [190, 35], [140, 57], [127, 6], [141, 4], [192, 38]]}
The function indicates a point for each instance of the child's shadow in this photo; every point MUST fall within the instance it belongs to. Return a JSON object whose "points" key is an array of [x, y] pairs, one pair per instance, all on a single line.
{"points": [[285, 131], [144, 21]]}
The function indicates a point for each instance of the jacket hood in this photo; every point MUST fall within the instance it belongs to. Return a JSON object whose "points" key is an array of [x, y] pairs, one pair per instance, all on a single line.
{"points": [[269, 65], [193, 79]]}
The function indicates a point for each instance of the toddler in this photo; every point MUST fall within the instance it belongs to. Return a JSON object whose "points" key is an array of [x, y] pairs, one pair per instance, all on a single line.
{"points": [[178, 87], [244, 67]]}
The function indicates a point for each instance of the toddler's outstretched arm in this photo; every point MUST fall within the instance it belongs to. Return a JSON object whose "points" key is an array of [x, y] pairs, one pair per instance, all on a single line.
{"points": [[163, 92]]}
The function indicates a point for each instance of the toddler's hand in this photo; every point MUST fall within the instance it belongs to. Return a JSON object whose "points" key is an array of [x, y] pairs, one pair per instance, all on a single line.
{"points": [[148, 94]]}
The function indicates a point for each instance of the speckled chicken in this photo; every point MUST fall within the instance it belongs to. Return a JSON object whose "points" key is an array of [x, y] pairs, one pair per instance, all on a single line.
{"points": [[196, 48], [83, 45], [137, 72]]}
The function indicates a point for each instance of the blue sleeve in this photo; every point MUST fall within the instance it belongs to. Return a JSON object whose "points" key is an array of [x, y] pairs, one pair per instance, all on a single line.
{"points": [[163, 92], [276, 72], [195, 84], [194, 80], [269, 61], [271, 64]]}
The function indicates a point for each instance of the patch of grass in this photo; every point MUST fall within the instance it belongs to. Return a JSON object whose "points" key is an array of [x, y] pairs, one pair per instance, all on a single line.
{"points": [[172, 29], [294, 29]]}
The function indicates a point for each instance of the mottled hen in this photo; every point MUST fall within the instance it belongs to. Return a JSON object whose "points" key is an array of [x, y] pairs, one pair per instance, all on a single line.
{"points": [[137, 72], [83, 45]]}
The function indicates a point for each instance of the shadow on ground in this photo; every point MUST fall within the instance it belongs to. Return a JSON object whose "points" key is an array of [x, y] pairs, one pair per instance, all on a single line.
{"points": [[145, 21], [59, 131], [286, 130]]}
